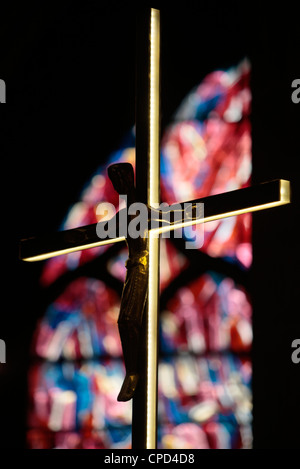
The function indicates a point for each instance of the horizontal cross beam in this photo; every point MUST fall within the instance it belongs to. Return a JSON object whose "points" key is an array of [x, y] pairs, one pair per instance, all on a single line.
{"points": [[250, 199]]}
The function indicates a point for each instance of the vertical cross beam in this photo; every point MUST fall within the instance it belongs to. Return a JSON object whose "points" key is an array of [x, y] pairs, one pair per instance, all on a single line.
{"points": [[144, 425]]}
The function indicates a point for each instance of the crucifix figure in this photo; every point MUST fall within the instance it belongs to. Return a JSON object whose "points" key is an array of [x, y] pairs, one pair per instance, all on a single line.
{"points": [[135, 291], [134, 294], [138, 321]]}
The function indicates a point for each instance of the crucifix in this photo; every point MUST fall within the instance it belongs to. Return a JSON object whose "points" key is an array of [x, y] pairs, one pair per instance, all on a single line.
{"points": [[147, 191]]}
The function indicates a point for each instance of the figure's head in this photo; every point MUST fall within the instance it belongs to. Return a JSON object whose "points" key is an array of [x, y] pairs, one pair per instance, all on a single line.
{"points": [[122, 177]]}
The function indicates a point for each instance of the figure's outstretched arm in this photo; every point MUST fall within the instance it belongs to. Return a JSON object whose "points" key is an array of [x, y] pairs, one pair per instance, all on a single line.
{"points": [[169, 216]]}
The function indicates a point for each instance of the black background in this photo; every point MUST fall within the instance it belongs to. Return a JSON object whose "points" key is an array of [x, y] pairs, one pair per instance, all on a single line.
{"points": [[70, 75]]}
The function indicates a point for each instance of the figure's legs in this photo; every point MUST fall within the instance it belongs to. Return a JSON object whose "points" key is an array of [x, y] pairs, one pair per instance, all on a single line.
{"points": [[130, 334], [130, 321]]}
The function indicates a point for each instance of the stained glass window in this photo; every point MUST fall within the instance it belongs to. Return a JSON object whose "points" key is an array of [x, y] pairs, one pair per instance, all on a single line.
{"points": [[205, 319]]}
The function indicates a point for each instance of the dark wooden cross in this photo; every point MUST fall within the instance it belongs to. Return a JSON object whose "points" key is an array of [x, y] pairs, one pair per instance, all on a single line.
{"points": [[267, 195]]}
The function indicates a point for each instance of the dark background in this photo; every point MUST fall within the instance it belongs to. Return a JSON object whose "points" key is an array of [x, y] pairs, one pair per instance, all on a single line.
{"points": [[70, 75]]}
